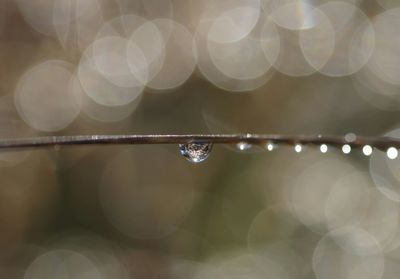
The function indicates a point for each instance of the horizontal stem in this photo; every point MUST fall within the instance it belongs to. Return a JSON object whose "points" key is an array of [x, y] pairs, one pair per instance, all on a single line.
{"points": [[258, 139]]}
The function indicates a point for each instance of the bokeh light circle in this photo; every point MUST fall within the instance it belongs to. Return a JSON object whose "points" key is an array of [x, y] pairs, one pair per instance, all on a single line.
{"points": [[180, 56], [43, 97], [348, 253]]}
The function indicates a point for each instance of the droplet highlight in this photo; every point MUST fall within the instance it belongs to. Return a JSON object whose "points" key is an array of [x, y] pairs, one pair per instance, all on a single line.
{"points": [[242, 146], [392, 153], [195, 152], [346, 149], [298, 148], [323, 148], [367, 150], [270, 146]]}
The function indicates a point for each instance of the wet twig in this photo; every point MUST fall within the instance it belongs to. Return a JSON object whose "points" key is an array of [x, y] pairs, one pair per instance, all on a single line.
{"points": [[382, 143]]}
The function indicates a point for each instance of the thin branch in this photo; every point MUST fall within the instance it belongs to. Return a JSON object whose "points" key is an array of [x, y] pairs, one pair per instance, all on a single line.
{"points": [[382, 143]]}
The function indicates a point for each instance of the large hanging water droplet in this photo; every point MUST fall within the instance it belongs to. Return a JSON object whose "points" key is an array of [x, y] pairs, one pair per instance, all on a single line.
{"points": [[195, 152]]}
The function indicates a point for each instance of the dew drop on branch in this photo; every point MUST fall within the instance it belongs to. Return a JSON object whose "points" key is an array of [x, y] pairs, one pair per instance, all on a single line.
{"points": [[195, 152]]}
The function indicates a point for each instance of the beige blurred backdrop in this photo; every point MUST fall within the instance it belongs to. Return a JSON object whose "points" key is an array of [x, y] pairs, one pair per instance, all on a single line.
{"points": [[71, 67]]}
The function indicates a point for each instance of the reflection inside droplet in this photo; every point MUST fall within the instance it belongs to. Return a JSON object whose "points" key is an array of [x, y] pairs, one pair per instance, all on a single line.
{"points": [[195, 152], [323, 148]]}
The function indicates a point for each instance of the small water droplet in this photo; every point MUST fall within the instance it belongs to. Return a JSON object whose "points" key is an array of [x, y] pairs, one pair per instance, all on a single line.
{"points": [[270, 146], [195, 152], [346, 149], [242, 146], [298, 148], [323, 148], [392, 153], [367, 150], [350, 137]]}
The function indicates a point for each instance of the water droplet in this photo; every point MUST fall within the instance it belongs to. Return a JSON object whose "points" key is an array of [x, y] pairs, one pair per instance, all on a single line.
{"points": [[242, 146], [298, 148], [323, 148], [195, 152], [367, 150], [270, 146], [350, 137], [346, 149], [392, 153]]}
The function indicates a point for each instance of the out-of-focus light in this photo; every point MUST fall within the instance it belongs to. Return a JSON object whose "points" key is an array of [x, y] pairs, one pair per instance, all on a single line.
{"points": [[180, 56], [237, 81], [346, 149], [367, 150], [294, 16], [38, 14], [323, 148], [298, 148], [235, 24], [76, 22], [385, 58], [311, 186], [44, 98], [99, 87], [62, 264], [354, 38], [339, 251], [392, 153]]}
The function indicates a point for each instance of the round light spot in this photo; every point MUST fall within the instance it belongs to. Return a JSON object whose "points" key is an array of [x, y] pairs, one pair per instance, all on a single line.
{"points": [[312, 187], [180, 56], [323, 148], [76, 22], [152, 43], [270, 146], [367, 150], [354, 38], [348, 200], [230, 74], [103, 113], [43, 96], [348, 253], [110, 55], [295, 16], [298, 148], [100, 89], [385, 59], [346, 149], [234, 25], [392, 153]]}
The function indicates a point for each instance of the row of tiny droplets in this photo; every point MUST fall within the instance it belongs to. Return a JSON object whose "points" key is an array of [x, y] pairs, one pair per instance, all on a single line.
{"points": [[392, 152]]}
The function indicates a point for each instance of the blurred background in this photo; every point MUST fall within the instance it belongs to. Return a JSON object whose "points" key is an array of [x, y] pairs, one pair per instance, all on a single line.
{"points": [[72, 67]]}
